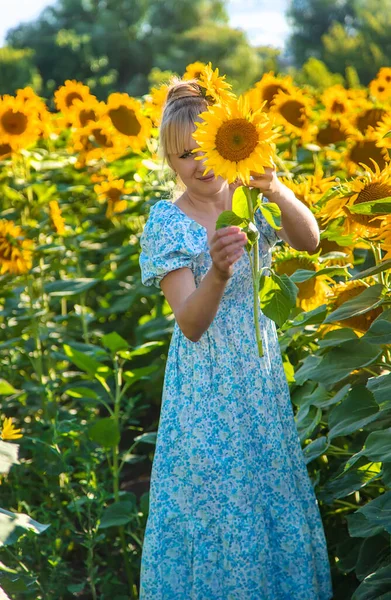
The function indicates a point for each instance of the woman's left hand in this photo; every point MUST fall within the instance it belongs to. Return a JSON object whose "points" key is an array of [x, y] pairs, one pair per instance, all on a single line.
{"points": [[266, 182]]}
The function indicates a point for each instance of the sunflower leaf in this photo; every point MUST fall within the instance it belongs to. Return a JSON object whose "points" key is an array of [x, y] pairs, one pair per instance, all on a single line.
{"points": [[369, 299], [272, 213], [386, 264], [228, 218], [240, 203], [375, 207]]}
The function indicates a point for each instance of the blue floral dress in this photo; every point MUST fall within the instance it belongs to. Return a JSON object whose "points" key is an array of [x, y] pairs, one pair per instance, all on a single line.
{"points": [[233, 515]]}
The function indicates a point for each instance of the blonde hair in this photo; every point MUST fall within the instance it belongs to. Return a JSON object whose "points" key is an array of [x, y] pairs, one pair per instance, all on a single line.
{"points": [[185, 101]]}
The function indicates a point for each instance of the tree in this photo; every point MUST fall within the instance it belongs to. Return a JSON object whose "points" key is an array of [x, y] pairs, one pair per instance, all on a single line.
{"points": [[17, 70], [310, 20], [114, 44]]}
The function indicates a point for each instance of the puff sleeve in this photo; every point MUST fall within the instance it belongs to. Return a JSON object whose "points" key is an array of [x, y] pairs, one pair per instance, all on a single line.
{"points": [[168, 242], [267, 232]]}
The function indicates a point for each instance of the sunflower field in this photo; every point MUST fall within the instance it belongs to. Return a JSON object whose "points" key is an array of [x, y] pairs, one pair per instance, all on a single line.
{"points": [[83, 343]]}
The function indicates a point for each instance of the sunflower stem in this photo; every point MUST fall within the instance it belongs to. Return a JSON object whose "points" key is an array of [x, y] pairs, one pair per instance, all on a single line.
{"points": [[255, 276]]}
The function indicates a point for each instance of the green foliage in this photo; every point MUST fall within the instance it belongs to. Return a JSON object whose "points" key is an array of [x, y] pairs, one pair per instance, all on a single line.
{"points": [[315, 73], [18, 70], [114, 47]]}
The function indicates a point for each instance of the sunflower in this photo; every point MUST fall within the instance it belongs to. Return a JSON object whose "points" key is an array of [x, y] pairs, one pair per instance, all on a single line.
{"points": [[309, 188], [336, 101], [19, 126], [293, 112], [368, 117], [9, 431], [155, 101], [332, 131], [363, 150], [267, 88], [380, 89], [385, 73], [97, 141], [15, 249], [194, 70], [83, 112], [342, 292], [29, 97], [313, 292], [384, 237], [344, 254], [111, 191], [66, 95], [373, 185], [127, 120], [217, 90], [235, 141], [56, 217], [381, 130], [5, 151]]}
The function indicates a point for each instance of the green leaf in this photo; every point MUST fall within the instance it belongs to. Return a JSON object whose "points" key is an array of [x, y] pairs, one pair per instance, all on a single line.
{"points": [[381, 389], [8, 456], [346, 483], [315, 449], [119, 513], [374, 553], [86, 363], [337, 337], [277, 297], [307, 369], [140, 350], [383, 266], [375, 207], [368, 299], [377, 446], [378, 511], [339, 362], [252, 235], [14, 525], [312, 317], [379, 332], [304, 274], [114, 342], [271, 213], [137, 374], [147, 438], [228, 218], [105, 432], [306, 426], [6, 389], [356, 411], [82, 392], [70, 287], [360, 526], [376, 586], [240, 203]]}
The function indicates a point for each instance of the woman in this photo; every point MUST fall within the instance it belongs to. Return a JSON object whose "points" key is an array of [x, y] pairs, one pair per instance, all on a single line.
{"points": [[233, 515]]}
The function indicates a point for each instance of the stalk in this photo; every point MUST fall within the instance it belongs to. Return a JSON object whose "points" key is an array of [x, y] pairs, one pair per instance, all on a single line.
{"points": [[255, 276]]}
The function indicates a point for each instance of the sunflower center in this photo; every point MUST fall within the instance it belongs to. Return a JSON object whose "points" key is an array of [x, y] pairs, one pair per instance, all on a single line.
{"points": [[125, 120], [236, 139], [372, 191], [71, 97], [271, 90], [102, 138], [331, 134], [381, 89], [370, 118], [338, 107], [86, 115], [114, 194], [14, 123], [292, 111], [5, 149], [363, 151]]}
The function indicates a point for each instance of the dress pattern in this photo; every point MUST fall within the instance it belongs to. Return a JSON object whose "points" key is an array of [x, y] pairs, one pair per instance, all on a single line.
{"points": [[233, 515]]}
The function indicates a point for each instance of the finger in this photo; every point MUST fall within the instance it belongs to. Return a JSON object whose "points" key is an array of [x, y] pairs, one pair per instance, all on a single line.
{"points": [[230, 249], [230, 239]]}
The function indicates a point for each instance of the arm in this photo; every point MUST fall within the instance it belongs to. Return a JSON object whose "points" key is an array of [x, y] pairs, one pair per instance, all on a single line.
{"points": [[299, 226], [195, 308]]}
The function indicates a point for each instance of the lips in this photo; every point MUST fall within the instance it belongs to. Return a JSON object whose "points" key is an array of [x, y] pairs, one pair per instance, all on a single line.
{"points": [[209, 178]]}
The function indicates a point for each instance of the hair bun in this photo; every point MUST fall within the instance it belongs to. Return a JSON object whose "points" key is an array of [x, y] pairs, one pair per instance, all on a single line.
{"points": [[179, 90]]}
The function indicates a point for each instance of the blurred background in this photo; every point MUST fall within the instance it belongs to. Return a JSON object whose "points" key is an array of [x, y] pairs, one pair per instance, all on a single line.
{"points": [[129, 45]]}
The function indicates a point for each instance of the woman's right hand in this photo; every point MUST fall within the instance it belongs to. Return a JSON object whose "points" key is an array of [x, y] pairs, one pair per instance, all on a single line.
{"points": [[226, 247]]}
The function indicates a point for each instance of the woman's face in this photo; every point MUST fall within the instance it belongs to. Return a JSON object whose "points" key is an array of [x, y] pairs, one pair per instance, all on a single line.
{"points": [[191, 171]]}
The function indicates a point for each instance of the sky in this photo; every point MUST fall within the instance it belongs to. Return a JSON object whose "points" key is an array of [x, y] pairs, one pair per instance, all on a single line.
{"points": [[264, 21]]}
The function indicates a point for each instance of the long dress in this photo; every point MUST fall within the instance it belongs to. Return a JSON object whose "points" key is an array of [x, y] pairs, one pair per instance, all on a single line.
{"points": [[232, 513]]}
